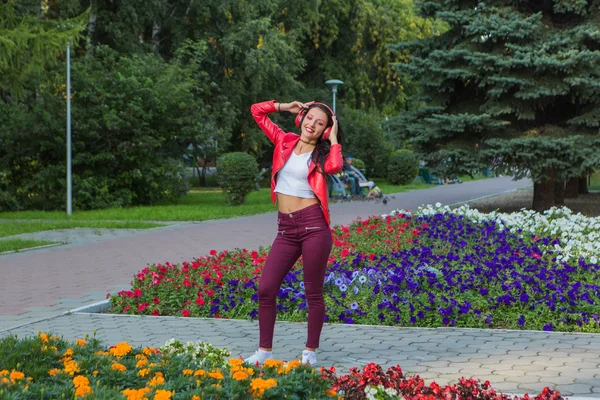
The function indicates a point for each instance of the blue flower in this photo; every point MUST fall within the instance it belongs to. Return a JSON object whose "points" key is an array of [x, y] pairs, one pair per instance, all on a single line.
{"points": [[548, 326], [343, 288], [362, 279], [521, 320], [354, 306]]}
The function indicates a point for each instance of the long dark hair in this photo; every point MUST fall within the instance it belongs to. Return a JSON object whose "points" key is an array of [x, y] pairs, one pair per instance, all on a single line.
{"points": [[323, 147]]}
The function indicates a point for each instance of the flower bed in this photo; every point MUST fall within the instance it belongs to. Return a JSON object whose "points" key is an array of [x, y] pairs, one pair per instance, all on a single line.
{"points": [[47, 367], [436, 268]]}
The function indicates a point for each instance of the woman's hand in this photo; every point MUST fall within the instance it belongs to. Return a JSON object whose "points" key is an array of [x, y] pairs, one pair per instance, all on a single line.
{"points": [[334, 131], [294, 107]]}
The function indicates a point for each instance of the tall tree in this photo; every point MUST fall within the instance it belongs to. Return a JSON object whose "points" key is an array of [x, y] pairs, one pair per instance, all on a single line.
{"points": [[515, 83]]}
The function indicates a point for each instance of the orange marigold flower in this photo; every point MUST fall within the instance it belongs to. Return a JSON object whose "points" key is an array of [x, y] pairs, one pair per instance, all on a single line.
{"points": [[187, 372], [156, 380], [144, 372], [16, 376], [215, 374], [142, 363], [330, 392], [4, 372], [4, 381], [135, 394], [80, 342], [148, 351], [95, 372], [71, 367], [272, 363], [54, 371], [196, 397], [121, 349], [152, 365], [235, 361], [291, 365], [118, 367], [259, 385], [163, 395], [200, 372], [68, 352], [83, 391], [240, 375], [80, 380], [44, 337]]}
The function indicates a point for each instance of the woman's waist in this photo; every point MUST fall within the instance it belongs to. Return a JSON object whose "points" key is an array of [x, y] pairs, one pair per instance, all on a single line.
{"points": [[292, 204]]}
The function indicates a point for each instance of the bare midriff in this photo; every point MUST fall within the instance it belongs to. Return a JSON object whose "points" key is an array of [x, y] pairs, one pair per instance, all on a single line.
{"points": [[289, 204]]}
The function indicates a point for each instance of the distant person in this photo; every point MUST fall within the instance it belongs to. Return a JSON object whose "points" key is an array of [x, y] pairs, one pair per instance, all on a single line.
{"points": [[301, 164], [352, 176], [374, 191]]}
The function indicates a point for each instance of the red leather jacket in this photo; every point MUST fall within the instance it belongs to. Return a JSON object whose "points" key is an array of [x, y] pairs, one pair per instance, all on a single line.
{"points": [[284, 145]]}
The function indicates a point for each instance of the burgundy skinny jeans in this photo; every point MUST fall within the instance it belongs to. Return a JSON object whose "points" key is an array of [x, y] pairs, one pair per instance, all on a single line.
{"points": [[304, 232]]}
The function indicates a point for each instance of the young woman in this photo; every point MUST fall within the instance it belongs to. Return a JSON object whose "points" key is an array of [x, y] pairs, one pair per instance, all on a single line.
{"points": [[301, 164]]}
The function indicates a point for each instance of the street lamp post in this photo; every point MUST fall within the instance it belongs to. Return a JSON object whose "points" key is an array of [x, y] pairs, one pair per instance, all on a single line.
{"points": [[334, 84]]}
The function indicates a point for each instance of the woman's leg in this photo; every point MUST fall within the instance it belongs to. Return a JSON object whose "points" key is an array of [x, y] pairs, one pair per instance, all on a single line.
{"points": [[282, 257], [316, 247]]}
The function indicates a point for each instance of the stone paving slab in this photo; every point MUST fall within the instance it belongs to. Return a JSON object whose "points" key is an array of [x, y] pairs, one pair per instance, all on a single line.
{"points": [[513, 361]]}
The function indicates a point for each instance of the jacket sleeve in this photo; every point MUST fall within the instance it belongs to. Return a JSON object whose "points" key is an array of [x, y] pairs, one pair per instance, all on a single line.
{"points": [[259, 112], [334, 161]]}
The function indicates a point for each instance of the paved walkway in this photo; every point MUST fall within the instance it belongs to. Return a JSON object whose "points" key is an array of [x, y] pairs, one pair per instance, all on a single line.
{"points": [[38, 286]]}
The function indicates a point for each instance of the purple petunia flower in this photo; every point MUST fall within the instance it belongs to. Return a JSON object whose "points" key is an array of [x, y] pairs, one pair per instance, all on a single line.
{"points": [[354, 306], [524, 298], [343, 288], [521, 320], [349, 320], [548, 327]]}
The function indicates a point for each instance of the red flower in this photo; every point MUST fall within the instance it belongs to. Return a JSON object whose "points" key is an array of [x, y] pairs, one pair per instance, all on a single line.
{"points": [[185, 313], [213, 252], [345, 253], [155, 313], [200, 301], [137, 293], [187, 283], [142, 307], [156, 300]]}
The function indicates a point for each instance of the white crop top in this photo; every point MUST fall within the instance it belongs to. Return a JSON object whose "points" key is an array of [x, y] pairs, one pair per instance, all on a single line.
{"points": [[292, 179]]}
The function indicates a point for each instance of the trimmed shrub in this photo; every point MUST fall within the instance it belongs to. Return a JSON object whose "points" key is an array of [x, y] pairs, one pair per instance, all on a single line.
{"points": [[359, 164], [403, 167], [236, 175]]}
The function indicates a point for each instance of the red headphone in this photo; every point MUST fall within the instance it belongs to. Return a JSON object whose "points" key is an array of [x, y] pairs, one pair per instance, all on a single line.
{"points": [[302, 114]]}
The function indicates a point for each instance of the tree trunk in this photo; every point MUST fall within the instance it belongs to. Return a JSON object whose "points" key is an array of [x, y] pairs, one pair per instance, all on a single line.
{"points": [[155, 36], [91, 29], [559, 192], [572, 188], [583, 187], [543, 194]]}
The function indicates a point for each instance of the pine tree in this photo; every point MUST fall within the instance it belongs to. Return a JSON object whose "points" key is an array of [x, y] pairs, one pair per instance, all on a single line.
{"points": [[30, 42], [514, 83]]}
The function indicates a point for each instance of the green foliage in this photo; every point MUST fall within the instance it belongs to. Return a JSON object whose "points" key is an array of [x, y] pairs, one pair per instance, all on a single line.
{"points": [[509, 84], [359, 164], [403, 167], [236, 173], [365, 139], [29, 43], [127, 116]]}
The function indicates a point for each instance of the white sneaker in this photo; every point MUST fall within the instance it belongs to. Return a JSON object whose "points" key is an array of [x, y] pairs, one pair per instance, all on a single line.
{"points": [[259, 357], [309, 357]]}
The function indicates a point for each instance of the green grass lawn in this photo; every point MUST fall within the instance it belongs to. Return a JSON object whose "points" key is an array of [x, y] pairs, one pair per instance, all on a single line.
{"points": [[19, 244], [198, 205], [10, 228]]}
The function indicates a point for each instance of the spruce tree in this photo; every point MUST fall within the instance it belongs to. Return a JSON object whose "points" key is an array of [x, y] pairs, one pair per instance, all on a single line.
{"points": [[512, 83], [29, 41]]}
